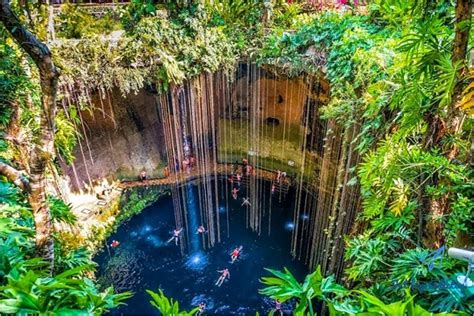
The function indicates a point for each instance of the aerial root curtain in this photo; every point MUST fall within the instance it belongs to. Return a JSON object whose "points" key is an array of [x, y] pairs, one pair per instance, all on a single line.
{"points": [[257, 116]]}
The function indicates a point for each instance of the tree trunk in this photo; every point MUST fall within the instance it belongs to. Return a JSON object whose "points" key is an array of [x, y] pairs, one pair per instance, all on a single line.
{"points": [[43, 150], [461, 39], [439, 129], [15, 137]]}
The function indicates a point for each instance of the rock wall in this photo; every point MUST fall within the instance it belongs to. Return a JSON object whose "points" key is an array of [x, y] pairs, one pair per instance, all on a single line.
{"points": [[121, 136]]}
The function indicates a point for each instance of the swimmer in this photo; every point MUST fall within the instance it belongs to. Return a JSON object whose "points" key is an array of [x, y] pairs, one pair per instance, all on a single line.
{"points": [[175, 237], [277, 309], [246, 202], [201, 308], [114, 244], [201, 230], [234, 193], [236, 253], [225, 274]]}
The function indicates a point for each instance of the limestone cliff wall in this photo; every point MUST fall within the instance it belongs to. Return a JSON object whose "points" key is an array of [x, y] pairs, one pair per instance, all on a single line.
{"points": [[121, 137]]}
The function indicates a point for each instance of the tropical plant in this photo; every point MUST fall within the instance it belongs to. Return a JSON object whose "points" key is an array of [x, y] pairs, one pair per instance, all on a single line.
{"points": [[26, 286], [283, 287], [66, 135], [168, 306], [65, 293], [60, 211], [374, 306], [236, 12], [76, 22]]}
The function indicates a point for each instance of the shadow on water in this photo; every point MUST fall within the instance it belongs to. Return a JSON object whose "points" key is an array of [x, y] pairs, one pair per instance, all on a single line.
{"points": [[144, 260]]}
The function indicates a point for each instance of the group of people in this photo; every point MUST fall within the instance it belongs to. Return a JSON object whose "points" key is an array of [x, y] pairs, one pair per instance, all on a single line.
{"points": [[238, 172], [225, 274], [102, 190], [186, 165], [177, 234]]}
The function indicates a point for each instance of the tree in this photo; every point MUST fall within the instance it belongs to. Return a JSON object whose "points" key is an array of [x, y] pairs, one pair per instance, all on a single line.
{"points": [[461, 39], [43, 150], [439, 129]]}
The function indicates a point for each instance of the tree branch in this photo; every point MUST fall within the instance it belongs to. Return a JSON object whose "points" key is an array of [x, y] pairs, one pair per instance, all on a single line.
{"points": [[14, 176]]}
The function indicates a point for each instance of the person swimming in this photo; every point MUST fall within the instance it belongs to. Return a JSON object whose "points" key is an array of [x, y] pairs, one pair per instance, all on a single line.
{"points": [[277, 310], [236, 253], [175, 236], [201, 308], [114, 244], [201, 230], [234, 193], [246, 202], [225, 274]]}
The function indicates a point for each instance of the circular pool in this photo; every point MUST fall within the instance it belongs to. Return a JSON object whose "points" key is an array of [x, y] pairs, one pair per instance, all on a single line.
{"points": [[145, 260]]}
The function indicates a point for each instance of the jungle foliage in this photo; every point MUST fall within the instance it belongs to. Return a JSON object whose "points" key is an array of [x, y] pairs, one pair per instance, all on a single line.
{"points": [[316, 288], [168, 306], [27, 286], [391, 72]]}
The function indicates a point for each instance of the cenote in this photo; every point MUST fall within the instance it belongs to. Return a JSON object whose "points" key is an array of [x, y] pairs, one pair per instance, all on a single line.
{"points": [[142, 142], [144, 259]]}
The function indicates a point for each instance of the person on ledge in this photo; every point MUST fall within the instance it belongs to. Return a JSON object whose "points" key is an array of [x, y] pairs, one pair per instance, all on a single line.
{"points": [[166, 172], [249, 170], [142, 176], [238, 177], [176, 165], [175, 236], [186, 165], [245, 162], [225, 274]]}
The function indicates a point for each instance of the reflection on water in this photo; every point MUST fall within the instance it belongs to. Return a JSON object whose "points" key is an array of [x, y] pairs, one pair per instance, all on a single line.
{"points": [[144, 260]]}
